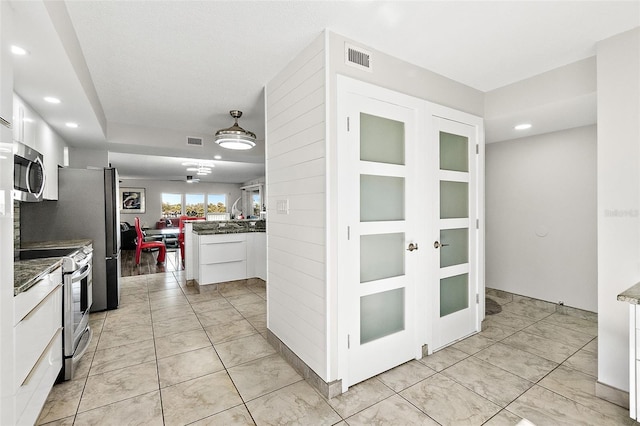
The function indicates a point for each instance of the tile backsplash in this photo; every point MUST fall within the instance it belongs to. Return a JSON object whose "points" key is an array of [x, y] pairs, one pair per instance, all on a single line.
{"points": [[16, 226]]}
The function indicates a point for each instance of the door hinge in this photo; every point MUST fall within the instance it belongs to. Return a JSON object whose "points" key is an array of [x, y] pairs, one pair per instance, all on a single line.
{"points": [[477, 148], [348, 341], [348, 126], [477, 298]]}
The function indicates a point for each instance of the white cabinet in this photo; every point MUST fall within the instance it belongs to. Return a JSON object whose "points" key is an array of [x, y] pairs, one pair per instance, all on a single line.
{"points": [[38, 344], [30, 129], [228, 257], [257, 255]]}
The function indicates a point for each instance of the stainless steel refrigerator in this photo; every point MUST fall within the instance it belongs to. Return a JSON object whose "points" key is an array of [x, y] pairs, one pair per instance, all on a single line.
{"points": [[87, 207]]}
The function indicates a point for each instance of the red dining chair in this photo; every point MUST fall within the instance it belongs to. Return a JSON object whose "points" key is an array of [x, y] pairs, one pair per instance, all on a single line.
{"points": [[142, 244]]}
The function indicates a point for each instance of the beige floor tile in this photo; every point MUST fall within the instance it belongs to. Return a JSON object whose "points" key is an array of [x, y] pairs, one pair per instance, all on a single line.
{"points": [[62, 402], [558, 333], [162, 294], [543, 407], [297, 404], [493, 383], [129, 309], [134, 319], [444, 358], [392, 411], [117, 385], [405, 375], [181, 342], [124, 336], [236, 416], [574, 323], [188, 365], [67, 421], [580, 387], [196, 399], [244, 299], [473, 344], [253, 309], [167, 326], [259, 322], [495, 331], [230, 331], [140, 410], [584, 361], [592, 346], [510, 320], [166, 302], [504, 418], [82, 367], [122, 356], [526, 310], [545, 348], [524, 364], [361, 396], [161, 285], [233, 290], [136, 297], [262, 376], [211, 305], [203, 296], [219, 316], [243, 350], [171, 312], [125, 291], [449, 403]]}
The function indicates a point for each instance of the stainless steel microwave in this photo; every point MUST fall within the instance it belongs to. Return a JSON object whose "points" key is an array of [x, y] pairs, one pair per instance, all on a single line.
{"points": [[28, 173]]}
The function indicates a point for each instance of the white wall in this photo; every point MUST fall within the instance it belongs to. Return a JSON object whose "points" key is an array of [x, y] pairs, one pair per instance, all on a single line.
{"points": [[81, 158], [155, 188], [295, 174], [618, 198], [541, 217]]}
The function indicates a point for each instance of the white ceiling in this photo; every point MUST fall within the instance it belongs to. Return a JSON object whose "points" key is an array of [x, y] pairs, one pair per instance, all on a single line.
{"points": [[141, 76]]}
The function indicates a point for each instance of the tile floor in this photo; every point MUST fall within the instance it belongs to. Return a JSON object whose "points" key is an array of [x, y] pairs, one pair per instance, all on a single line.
{"points": [[173, 356]]}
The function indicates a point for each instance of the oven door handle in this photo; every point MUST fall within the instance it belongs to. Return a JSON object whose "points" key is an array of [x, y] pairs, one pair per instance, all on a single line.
{"points": [[81, 274]]}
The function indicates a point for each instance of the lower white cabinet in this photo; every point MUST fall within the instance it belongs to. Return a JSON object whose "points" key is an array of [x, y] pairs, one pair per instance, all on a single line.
{"points": [[38, 345], [228, 257]]}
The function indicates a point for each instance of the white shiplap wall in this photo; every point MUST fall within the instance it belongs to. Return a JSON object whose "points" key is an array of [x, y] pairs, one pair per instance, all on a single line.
{"points": [[295, 167]]}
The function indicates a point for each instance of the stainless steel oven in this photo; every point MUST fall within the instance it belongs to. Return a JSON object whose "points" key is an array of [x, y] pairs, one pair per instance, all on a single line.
{"points": [[77, 270]]}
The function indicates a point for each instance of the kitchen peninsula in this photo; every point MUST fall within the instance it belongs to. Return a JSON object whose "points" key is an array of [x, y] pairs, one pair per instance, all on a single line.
{"points": [[226, 250]]}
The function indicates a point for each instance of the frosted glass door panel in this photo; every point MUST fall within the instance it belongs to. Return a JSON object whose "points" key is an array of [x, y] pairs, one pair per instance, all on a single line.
{"points": [[454, 199], [381, 314], [454, 152], [455, 247], [381, 256], [454, 294], [381, 198], [381, 139]]}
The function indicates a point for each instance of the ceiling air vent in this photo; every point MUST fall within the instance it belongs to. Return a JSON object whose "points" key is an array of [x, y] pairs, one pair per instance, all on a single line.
{"points": [[194, 141], [357, 57]]}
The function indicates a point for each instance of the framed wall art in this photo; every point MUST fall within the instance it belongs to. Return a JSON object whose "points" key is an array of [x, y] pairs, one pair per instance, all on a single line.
{"points": [[132, 200]]}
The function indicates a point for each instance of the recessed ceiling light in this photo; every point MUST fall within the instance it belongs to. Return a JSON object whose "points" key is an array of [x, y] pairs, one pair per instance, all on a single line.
{"points": [[52, 100], [17, 50], [523, 126], [217, 157], [72, 125]]}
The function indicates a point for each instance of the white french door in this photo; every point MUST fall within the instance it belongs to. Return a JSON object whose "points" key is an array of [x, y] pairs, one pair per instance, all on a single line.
{"points": [[380, 252], [455, 242]]}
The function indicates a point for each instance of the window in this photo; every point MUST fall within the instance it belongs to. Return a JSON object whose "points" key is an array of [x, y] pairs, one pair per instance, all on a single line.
{"points": [[194, 205], [171, 205], [256, 205]]}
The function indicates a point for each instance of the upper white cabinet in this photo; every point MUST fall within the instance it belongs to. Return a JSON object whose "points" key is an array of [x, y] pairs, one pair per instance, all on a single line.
{"points": [[30, 129]]}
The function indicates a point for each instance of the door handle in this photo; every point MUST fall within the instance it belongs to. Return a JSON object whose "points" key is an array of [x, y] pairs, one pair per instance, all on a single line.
{"points": [[412, 247], [438, 245]]}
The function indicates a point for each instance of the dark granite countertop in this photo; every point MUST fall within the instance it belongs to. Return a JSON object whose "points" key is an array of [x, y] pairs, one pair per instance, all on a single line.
{"points": [[27, 272], [229, 227], [56, 244], [631, 295]]}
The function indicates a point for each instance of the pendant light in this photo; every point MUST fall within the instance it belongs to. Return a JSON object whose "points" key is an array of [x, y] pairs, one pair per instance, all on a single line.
{"points": [[235, 137]]}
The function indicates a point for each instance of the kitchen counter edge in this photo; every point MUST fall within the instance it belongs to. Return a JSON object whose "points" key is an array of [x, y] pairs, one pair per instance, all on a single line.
{"points": [[631, 295]]}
